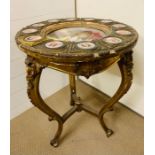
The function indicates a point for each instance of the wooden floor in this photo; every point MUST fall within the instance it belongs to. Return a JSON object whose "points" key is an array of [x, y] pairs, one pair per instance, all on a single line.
{"points": [[31, 132]]}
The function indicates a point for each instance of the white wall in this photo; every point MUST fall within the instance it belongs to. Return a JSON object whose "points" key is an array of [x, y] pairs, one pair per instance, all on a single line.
{"points": [[129, 12], [25, 12]]}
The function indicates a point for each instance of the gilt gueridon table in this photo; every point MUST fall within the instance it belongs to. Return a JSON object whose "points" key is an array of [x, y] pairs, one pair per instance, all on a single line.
{"points": [[78, 47]]}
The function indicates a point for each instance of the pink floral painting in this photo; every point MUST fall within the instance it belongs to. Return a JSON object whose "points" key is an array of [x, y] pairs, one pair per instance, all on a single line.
{"points": [[54, 44], [77, 34]]}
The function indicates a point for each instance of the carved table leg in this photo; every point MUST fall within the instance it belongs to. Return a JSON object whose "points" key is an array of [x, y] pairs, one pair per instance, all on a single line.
{"points": [[34, 71], [125, 66], [72, 88]]}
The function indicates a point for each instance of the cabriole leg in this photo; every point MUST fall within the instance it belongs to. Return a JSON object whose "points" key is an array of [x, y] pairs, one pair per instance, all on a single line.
{"points": [[72, 88], [34, 71], [125, 65]]}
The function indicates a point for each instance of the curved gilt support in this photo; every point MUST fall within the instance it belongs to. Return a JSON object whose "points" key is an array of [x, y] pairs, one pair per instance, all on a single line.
{"points": [[125, 65], [34, 71], [72, 88]]}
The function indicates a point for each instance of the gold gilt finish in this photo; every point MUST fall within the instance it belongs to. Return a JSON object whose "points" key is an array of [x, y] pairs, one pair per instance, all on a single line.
{"points": [[76, 62]]}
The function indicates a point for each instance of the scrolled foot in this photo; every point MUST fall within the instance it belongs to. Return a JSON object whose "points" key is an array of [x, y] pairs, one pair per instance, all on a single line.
{"points": [[54, 143], [109, 132]]}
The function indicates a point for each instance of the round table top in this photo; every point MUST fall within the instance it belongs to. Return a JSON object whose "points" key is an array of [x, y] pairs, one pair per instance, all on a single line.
{"points": [[80, 39]]}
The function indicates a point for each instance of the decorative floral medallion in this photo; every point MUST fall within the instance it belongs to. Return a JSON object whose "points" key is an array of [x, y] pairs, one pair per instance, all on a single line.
{"points": [[112, 40], [54, 44], [106, 21], [29, 31], [86, 45], [33, 38], [77, 34], [123, 32], [119, 25], [38, 25]]}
